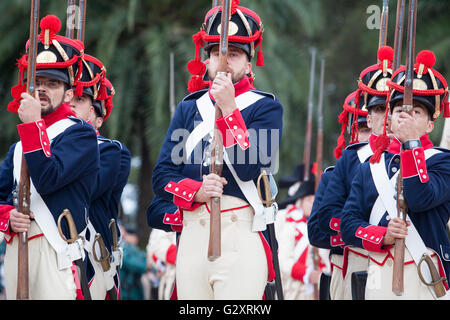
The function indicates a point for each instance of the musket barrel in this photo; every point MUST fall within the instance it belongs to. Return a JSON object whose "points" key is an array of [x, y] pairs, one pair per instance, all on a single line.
{"points": [[382, 40], [402, 207], [308, 134], [81, 26], [70, 25], [172, 85], [398, 34]]}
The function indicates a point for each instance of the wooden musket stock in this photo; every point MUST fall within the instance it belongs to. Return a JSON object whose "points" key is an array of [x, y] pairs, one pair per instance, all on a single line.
{"points": [[214, 246]]}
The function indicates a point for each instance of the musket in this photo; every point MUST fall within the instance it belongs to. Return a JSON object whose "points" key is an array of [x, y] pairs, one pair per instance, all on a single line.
{"points": [[75, 237], [81, 20], [382, 40], [402, 206], [104, 260], [319, 160], [268, 201], [71, 14], [214, 246], [172, 86], [398, 37], [215, 3], [23, 290], [319, 145], [115, 247], [309, 124]]}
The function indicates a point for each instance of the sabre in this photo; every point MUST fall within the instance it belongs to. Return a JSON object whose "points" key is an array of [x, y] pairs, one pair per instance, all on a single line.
{"points": [[268, 201], [104, 260], [74, 237], [214, 246], [115, 246]]}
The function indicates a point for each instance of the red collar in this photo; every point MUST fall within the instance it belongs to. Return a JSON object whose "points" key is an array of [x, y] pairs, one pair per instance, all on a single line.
{"points": [[239, 88], [372, 139], [62, 112], [395, 146]]}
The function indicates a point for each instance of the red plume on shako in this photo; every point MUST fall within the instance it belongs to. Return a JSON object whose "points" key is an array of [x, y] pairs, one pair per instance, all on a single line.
{"points": [[372, 91], [58, 58]]}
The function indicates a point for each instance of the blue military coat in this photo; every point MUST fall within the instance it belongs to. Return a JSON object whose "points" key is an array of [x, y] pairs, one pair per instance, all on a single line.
{"points": [[316, 237], [338, 188], [427, 193]]}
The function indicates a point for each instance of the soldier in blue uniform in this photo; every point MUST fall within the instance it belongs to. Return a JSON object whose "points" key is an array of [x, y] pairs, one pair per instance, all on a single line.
{"points": [[251, 130], [370, 99], [93, 103], [62, 156], [370, 213]]}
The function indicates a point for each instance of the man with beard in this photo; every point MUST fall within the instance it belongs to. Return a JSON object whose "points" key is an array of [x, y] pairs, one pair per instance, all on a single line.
{"points": [[251, 131], [62, 157]]}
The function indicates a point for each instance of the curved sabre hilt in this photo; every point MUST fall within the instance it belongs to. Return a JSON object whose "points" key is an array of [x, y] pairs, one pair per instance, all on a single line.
{"points": [[105, 256], [436, 280], [74, 236]]}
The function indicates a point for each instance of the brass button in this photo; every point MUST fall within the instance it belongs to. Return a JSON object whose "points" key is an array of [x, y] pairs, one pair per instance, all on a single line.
{"points": [[389, 262], [234, 218], [202, 222]]}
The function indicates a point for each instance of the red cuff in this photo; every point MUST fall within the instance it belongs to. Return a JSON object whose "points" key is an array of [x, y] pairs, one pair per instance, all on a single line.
{"points": [[413, 164], [4, 218], [298, 271], [227, 136], [184, 193], [171, 255], [335, 224], [173, 218], [33, 136], [233, 130], [336, 240], [372, 237]]}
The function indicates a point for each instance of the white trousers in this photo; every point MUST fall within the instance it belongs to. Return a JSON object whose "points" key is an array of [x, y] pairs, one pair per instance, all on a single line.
{"points": [[46, 282], [239, 273], [358, 260], [337, 279], [379, 279]]}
